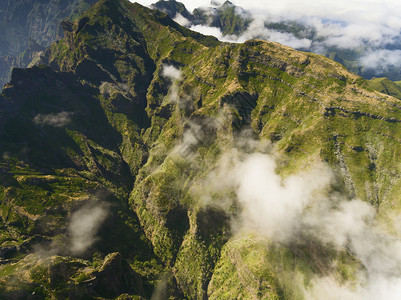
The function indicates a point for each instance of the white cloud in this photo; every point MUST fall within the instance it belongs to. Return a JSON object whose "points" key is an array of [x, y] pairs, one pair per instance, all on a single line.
{"points": [[372, 11], [257, 30], [345, 24], [84, 224], [191, 137], [174, 75], [272, 205], [55, 120], [171, 72], [180, 19], [207, 30], [327, 288], [382, 59]]}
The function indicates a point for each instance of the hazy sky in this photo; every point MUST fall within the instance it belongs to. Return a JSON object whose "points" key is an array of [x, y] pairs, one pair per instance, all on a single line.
{"points": [[370, 10]]}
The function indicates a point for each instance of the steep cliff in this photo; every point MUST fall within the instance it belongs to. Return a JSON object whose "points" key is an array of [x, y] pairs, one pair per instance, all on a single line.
{"points": [[27, 27]]}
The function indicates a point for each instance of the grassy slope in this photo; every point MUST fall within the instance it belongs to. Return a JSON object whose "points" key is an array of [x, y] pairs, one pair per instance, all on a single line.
{"points": [[385, 86]]}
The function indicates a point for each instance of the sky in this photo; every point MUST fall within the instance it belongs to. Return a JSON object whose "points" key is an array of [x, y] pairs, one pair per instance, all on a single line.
{"points": [[387, 11]]}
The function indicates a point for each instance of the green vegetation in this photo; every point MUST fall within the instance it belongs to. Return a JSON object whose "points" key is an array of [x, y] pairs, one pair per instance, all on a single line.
{"points": [[385, 86]]}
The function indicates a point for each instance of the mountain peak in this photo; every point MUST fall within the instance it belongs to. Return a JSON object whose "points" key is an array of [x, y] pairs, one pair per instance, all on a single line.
{"points": [[228, 3], [172, 8]]}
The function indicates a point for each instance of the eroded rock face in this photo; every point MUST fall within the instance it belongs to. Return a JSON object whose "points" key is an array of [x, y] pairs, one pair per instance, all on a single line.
{"points": [[115, 277], [28, 27]]}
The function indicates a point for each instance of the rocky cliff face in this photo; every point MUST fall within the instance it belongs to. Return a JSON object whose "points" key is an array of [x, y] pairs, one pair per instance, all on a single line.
{"points": [[125, 148], [27, 27]]}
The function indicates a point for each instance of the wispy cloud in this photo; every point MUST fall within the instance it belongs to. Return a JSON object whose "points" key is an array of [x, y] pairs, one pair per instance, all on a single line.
{"points": [[207, 30], [84, 225], [180, 19], [80, 234], [173, 74], [56, 120], [382, 59]]}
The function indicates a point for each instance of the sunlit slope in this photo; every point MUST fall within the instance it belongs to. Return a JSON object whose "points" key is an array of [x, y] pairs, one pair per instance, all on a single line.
{"points": [[386, 86], [101, 122]]}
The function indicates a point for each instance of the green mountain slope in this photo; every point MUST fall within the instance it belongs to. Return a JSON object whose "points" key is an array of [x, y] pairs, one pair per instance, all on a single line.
{"points": [[386, 86], [121, 127]]}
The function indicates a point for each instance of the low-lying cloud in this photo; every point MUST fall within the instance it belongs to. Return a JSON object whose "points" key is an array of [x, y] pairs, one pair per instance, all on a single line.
{"points": [[173, 75], [84, 225], [81, 231], [303, 207], [208, 30], [258, 30], [55, 120], [180, 19], [171, 72], [382, 60]]}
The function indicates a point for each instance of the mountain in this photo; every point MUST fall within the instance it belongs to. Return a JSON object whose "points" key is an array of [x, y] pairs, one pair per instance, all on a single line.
{"points": [[125, 158], [27, 27], [229, 18], [173, 8]]}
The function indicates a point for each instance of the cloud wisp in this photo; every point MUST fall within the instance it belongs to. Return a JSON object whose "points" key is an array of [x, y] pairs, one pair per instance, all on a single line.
{"points": [[84, 225], [81, 232], [55, 120], [171, 72], [173, 75]]}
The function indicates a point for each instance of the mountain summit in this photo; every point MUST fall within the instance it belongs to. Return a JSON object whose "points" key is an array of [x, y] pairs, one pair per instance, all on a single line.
{"points": [[140, 159]]}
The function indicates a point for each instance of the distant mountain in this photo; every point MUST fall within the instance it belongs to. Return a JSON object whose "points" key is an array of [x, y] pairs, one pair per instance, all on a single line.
{"points": [[27, 27], [124, 152], [229, 18], [386, 86], [173, 9]]}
